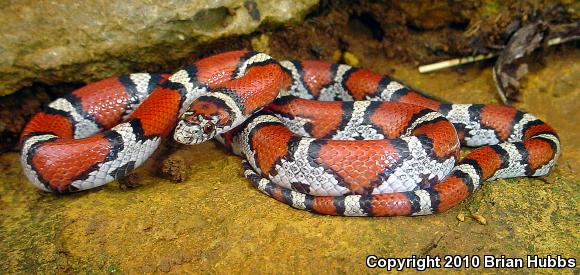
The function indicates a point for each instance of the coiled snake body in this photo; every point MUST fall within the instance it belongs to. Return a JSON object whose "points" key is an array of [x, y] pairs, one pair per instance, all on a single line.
{"points": [[327, 138]]}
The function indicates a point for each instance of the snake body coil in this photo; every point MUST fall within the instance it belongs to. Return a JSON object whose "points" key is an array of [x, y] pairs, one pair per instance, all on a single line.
{"points": [[327, 138]]}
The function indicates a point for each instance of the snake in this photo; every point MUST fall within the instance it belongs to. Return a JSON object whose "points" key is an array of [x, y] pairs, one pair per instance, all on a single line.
{"points": [[327, 138]]}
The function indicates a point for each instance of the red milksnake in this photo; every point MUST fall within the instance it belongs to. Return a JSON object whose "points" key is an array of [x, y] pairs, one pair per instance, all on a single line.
{"points": [[336, 140]]}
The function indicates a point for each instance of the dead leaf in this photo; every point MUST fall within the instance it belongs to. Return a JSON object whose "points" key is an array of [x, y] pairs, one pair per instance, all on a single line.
{"points": [[508, 70]]}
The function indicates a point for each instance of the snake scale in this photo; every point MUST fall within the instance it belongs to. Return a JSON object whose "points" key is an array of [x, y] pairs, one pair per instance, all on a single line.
{"points": [[329, 138]]}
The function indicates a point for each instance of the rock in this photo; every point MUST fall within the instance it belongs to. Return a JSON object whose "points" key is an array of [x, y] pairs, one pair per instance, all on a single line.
{"points": [[65, 41], [174, 168]]}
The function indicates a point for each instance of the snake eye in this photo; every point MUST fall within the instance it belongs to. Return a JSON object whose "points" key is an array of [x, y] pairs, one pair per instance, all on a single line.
{"points": [[208, 128]]}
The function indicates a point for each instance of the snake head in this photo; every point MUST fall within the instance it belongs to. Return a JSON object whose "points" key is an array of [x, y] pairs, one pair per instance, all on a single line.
{"points": [[202, 122]]}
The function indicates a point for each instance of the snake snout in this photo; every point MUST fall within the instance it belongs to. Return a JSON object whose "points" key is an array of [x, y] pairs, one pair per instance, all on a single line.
{"points": [[187, 133]]}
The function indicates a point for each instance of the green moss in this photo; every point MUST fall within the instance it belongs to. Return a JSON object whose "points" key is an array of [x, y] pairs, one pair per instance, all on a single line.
{"points": [[490, 8]]}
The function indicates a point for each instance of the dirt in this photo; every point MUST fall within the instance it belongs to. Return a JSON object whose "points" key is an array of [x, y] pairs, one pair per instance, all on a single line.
{"points": [[216, 222], [174, 168]]}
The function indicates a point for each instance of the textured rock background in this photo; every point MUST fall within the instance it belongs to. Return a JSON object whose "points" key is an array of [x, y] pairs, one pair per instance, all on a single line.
{"points": [[68, 40]]}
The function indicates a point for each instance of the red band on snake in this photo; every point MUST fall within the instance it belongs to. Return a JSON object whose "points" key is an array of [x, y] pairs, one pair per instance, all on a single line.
{"points": [[323, 137]]}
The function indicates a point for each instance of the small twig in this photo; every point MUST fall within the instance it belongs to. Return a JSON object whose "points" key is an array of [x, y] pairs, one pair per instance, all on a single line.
{"points": [[558, 40], [465, 60], [454, 62]]}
